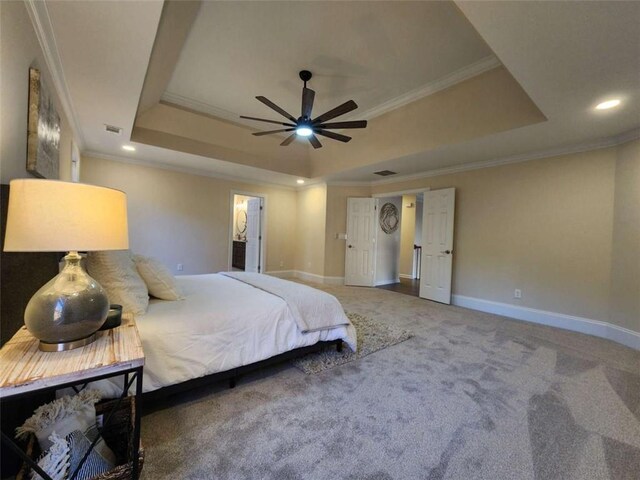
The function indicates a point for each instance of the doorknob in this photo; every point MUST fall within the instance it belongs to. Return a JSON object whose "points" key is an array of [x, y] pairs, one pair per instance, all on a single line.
{"points": [[350, 246], [446, 252]]}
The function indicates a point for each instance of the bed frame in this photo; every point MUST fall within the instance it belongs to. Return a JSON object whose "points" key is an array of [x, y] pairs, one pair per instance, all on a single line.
{"points": [[235, 373]]}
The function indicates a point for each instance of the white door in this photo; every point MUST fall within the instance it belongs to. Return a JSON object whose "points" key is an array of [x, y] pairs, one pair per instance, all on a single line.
{"points": [[360, 255], [437, 245], [254, 238]]}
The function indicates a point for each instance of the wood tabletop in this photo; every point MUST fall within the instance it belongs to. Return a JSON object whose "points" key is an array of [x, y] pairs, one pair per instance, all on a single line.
{"points": [[24, 368]]}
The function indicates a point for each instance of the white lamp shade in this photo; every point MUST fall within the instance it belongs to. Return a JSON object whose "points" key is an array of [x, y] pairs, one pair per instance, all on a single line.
{"points": [[55, 216]]}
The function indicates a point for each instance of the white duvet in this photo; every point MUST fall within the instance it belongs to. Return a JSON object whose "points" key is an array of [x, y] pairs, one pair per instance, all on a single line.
{"points": [[221, 324]]}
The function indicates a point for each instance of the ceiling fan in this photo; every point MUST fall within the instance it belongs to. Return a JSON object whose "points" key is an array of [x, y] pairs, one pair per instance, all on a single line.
{"points": [[304, 125]]}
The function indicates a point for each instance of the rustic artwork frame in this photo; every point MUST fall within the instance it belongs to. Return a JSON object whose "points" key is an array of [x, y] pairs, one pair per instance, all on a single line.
{"points": [[43, 130]]}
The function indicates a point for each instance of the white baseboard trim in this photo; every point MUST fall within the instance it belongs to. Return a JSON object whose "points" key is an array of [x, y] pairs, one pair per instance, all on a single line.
{"points": [[404, 275], [309, 277], [282, 273], [597, 328]]}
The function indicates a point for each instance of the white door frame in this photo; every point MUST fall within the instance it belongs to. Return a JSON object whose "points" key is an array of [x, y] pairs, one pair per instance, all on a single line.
{"points": [[401, 192], [263, 229]]}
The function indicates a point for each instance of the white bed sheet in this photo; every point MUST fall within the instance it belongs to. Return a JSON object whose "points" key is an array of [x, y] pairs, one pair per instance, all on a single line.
{"points": [[221, 324]]}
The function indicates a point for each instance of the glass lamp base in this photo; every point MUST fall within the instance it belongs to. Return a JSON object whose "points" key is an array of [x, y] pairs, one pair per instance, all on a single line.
{"points": [[62, 346], [68, 310]]}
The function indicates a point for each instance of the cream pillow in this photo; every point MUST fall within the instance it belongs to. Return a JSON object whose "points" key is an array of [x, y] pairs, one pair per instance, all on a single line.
{"points": [[160, 281], [117, 273]]}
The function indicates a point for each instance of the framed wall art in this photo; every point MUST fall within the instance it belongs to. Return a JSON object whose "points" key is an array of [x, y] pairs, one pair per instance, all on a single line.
{"points": [[43, 131]]}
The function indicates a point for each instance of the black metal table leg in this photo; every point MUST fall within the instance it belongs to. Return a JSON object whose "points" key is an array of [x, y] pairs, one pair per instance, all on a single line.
{"points": [[135, 472], [18, 451]]}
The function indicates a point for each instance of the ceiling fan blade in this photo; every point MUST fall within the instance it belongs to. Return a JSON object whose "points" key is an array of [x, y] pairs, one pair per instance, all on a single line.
{"points": [[352, 124], [268, 121], [314, 141], [336, 112], [307, 101], [275, 107], [259, 134], [335, 136], [288, 140]]}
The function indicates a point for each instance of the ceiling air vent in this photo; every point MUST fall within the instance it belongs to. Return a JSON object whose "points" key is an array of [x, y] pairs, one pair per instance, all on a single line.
{"points": [[112, 129], [385, 173]]}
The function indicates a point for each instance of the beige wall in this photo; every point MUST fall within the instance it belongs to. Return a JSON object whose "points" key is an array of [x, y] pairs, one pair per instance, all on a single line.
{"points": [[625, 260], [311, 229], [407, 234], [335, 248], [542, 226], [184, 218], [19, 50]]}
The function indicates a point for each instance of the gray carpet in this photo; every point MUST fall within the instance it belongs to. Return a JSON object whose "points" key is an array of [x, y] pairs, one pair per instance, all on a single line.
{"points": [[373, 336], [470, 396]]}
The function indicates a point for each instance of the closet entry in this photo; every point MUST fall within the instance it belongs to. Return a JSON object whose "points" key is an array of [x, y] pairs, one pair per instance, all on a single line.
{"points": [[247, 225]]}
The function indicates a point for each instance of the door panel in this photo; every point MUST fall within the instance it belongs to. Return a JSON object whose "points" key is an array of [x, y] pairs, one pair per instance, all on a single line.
{"points": [[254, 237], [359, 257], [437, 245]]}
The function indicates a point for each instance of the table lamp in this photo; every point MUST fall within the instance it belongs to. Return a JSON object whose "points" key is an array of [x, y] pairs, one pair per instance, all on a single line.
{"points": [[55, 216]]}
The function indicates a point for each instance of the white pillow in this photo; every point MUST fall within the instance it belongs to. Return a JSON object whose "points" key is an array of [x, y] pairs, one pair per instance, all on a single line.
{"points": [[160, 281], [117, 273]]}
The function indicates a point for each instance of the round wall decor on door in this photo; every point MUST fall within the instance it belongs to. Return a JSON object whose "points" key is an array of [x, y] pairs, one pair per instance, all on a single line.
{"points": [[389, 218]]}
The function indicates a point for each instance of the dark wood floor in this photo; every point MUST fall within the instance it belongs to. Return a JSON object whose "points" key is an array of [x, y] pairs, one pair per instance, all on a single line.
{"points": [[407, 286]]}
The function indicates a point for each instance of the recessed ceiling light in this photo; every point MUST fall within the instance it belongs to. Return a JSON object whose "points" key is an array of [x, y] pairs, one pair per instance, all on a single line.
{"points": [[608, 104], [300, 181], [129, 148]]}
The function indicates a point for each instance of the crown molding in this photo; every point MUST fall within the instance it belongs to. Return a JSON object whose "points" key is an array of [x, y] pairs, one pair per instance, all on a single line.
{"points": [[188, 170], [612, 141], [465, 73], [481, 66], [200, 107], [629, 136], [525, 157], [39, 16], [346, 183], [309, 183]]}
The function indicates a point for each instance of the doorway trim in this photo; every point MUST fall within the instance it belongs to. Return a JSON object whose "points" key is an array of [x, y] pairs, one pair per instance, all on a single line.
{"points": [[263, 225], [400, 193]]}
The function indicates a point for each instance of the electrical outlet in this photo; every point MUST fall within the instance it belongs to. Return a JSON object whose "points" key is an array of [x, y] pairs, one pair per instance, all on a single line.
{"points": [[179, 267], [517, 293], [281, 263]]}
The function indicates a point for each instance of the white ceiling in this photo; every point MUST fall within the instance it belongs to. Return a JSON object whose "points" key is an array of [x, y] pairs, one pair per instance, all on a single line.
{"points": [[371, 52], [566, 55], [104, 48]]}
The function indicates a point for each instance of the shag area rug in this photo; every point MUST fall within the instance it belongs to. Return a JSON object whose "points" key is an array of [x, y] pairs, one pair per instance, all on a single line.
{"points": [[372, 336]]}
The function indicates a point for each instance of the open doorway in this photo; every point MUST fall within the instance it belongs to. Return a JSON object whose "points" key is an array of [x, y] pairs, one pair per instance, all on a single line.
{"points": [[248, 224], [402, 248]]}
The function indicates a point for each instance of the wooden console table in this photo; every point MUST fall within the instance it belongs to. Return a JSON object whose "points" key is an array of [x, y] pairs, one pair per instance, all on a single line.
{"points": [[27, 370]]}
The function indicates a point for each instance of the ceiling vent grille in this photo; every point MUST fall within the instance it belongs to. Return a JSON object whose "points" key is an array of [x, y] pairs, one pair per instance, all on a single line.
{"points": [[385, 173], [112, 129]]}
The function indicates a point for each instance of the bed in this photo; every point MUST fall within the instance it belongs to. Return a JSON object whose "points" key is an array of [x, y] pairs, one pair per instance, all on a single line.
{"points": [[225, 322]]}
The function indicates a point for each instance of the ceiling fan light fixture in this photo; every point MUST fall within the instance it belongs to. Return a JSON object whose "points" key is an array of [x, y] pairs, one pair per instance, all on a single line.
{"points": [[304, 131], [305, 125]]}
